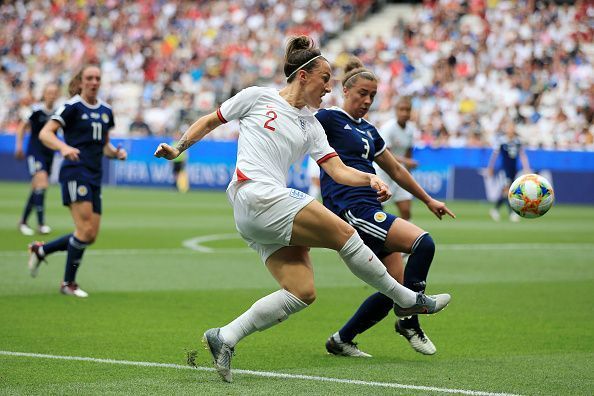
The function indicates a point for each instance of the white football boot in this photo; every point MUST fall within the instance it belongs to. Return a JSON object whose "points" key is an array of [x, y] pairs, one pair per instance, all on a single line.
{"points": [[335, 346], [417, 339]]}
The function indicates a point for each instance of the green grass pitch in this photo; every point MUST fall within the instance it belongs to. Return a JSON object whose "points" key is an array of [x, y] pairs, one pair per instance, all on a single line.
{"points": [[521, 319]]}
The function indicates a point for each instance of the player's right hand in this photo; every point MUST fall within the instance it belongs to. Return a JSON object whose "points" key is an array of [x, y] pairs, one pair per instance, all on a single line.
{"points": [[383, 191], [166, 151], [19, 154], [70, 153]]}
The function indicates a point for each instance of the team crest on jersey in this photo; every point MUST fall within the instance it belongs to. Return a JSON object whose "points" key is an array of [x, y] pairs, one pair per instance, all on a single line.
{"points": [[105, 118], [379, 217], [303, 125], [82, 191], [297, 194]]}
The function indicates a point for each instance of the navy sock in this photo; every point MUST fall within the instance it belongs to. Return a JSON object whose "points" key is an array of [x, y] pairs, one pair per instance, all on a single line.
{"points": [[374, 309], [57, 244], [417, 268], [499, 202], [76, 248], [39, 198], [419, 262], [28, 207]]}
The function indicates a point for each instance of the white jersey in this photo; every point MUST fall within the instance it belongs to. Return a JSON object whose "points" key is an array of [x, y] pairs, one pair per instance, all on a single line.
{"points": [[399, 139], [272, 136]]}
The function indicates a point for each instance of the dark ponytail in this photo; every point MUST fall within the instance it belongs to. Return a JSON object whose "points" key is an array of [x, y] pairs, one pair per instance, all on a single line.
{"points": [[299, 55]]}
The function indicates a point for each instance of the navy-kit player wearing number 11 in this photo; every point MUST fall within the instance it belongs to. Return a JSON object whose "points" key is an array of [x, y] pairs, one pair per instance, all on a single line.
{"points": [[86, 121]]}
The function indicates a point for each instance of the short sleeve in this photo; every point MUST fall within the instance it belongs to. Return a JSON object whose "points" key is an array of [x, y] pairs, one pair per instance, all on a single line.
{"points": [[239, 105], [65, 114], [111, 123], [319, 149], [378, 142], [26, 114]]}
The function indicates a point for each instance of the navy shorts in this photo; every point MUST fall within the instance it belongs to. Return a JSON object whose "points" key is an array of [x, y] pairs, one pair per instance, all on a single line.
{"points": [[77, 191], [372, 224], [37, 163]]}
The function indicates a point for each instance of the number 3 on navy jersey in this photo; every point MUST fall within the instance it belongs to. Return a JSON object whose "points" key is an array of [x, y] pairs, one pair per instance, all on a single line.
{"points": [[97, 130], [366, 147]]}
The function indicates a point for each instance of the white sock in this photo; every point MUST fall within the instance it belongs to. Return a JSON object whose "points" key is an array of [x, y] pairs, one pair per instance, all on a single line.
{"points": [[365, 265], [264, 313]]}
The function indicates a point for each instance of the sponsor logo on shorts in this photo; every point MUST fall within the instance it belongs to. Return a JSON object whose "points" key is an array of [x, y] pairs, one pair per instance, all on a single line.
{"points": [[297, 194], [379, 217], [82, 191]]}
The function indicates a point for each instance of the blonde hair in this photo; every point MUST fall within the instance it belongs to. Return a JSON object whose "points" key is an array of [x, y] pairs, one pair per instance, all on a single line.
{"points": [[354, 70]]}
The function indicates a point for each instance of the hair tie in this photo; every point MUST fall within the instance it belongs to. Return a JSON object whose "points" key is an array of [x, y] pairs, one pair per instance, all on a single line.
{"points": [[361, 72], [303, 65]]}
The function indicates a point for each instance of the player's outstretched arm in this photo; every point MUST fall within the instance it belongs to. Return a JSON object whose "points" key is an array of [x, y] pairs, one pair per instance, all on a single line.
{"points": [[403, 177], [202, 127], [346, 175]]}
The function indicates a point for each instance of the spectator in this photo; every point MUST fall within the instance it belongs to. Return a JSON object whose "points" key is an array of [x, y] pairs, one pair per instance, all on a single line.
{"points": [[138, 127]]}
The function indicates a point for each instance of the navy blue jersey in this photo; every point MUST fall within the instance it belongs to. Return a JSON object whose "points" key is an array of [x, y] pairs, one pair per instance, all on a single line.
{"points": [[356, 142], [86, 128], [509, 150], [39, 116]]}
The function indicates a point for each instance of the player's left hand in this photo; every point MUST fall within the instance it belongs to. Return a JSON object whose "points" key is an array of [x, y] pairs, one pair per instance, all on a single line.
{"points": [[121, 154], [166, 151], [383, 191], [439, 209]]}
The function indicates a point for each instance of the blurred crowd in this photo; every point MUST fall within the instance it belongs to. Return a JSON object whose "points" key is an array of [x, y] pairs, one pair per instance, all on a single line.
{"points": [[471, 65], [164, 62]]}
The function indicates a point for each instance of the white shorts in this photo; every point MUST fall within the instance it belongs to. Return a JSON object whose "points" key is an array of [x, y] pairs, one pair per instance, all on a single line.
{"points": [[264, 215], [399, 194]]}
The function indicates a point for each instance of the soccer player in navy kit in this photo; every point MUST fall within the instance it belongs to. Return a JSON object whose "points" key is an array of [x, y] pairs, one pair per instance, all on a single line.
{"points": [[86, 121], [39, 159], [358, 144], [509, 147]]}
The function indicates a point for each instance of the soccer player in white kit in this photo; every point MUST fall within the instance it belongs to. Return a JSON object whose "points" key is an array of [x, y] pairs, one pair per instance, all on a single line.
{"points": [[280, 223], [399, 136]]}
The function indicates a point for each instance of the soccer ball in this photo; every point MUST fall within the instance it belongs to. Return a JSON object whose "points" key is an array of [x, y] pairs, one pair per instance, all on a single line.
{"points": [[531, 196]]}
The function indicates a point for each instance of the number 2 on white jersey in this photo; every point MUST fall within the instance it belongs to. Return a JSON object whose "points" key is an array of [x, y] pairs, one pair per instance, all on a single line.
{"points": [[273, 117]]}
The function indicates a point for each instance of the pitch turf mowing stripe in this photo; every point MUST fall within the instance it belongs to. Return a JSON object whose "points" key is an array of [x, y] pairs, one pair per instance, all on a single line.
{"points": [[203, 249], [267, 374]]}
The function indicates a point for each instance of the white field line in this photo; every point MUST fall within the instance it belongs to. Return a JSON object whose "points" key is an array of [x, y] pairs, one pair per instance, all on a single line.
{"points": [[267, 374], [195, 245]]}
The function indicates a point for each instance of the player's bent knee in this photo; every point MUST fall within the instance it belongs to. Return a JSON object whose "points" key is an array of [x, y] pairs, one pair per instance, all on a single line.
{"points": [[424, 243], [305, 294], [87, 234], [343, 234]]}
